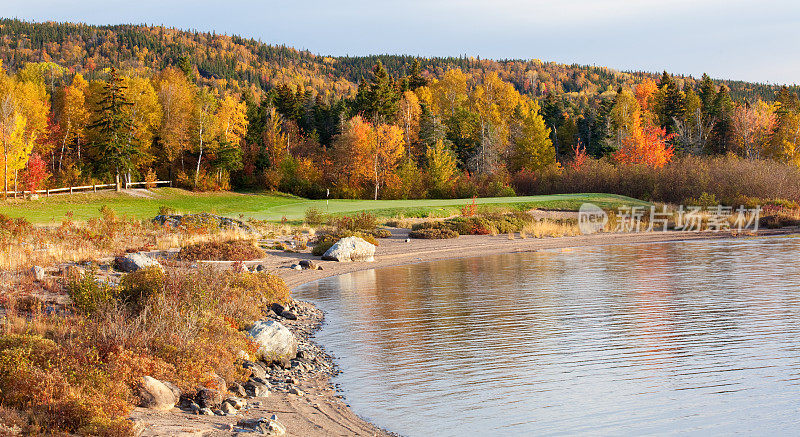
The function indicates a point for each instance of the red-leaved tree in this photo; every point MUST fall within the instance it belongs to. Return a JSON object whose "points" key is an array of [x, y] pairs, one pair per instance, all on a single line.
{"points": [[36, 172]]}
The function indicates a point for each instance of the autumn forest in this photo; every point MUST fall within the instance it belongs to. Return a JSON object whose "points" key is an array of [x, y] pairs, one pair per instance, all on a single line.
{"points": [[83, 104]]}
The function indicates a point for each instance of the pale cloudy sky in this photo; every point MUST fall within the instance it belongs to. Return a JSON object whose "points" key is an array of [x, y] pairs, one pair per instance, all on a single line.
{"points": [[730, 39]]}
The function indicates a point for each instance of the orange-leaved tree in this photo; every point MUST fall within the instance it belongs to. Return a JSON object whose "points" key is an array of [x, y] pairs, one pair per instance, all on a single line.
{"points": [[648, 145]]}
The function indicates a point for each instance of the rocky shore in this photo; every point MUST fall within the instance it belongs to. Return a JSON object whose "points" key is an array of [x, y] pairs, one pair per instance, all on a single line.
{"points": [[291, 397]]}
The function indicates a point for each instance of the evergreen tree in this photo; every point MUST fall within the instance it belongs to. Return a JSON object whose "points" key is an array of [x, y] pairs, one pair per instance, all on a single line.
{"points": [[721, 140], [415, 78], [111, 126], [671, 103]]}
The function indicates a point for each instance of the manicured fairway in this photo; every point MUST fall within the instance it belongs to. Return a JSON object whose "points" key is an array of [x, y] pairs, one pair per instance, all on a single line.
{"points": [[275, 206]]}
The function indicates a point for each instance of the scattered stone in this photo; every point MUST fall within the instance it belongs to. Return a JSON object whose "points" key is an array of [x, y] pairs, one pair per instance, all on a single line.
{"points": [[236, 403], [307, 264], [296, 267], [408, 240], [278, 308], [208, 397], [228, 408], [256, 389], [38, 273], [155, 395], [296, 391], [237, 389], [274, 340], [350, 249], [259, 268], [286, 314], [206, 412], [134, 261], [193, 408], [257, 369], [263, 425]]}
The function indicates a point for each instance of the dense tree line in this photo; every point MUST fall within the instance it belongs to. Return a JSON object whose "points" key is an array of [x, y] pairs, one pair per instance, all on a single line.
{"points": [[214, 112]]}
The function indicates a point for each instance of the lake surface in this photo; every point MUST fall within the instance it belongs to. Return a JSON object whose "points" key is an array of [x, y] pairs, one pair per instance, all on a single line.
{"points": [[675, 338]]}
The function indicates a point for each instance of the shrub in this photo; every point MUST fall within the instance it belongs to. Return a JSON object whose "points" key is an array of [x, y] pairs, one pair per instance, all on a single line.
{"points": [[315, 217], [433, 234], [362, 221], [61, 389], [166, 210], [231, 250], [88, 294], [140, 286]]}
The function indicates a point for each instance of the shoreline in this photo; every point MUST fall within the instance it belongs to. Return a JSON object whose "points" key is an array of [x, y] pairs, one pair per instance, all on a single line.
{"points": [[320, 410]]}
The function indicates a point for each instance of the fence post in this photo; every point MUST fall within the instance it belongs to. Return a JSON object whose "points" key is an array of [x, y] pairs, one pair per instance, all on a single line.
{"points": [[47, 193], [70, 190], [94, 187]]}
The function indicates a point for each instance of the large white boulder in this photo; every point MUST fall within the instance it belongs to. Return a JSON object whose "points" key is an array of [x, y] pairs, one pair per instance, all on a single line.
{"points": [[275, 342], [350, 249], [135, 261], [156, 395]]}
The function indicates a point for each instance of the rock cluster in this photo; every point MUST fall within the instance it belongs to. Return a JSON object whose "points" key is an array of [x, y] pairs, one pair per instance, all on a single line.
{"points": [[202, 219]]}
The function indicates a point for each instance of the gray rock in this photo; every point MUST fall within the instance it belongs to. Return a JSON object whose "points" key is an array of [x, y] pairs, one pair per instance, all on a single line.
{"points": [[155, 395], [256, 369], [174, 389], [277, 308], [274, 340], [135, 261], [237, 389], [296, 391], [307, 264], [256, 389], [263, 425], [235, 402], [350, 249], [228, 408], [286, 314], [206, 412], [38, 273], [296, 267], [209, 398], [193, 408]]}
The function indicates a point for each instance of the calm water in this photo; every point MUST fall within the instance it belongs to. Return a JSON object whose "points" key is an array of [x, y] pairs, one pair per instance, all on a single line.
{"points": [[685, 338]]}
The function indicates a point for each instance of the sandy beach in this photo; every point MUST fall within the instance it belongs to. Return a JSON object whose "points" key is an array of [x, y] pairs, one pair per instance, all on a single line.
{"points": [[319, 410]]}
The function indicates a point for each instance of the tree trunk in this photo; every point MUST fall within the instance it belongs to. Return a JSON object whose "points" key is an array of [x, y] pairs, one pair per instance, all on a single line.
{"points": [[5, 175], [119, 187], [16, 172]]}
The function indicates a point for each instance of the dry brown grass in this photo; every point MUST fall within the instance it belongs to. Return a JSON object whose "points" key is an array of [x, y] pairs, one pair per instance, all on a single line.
{"points": [[74, 371]]}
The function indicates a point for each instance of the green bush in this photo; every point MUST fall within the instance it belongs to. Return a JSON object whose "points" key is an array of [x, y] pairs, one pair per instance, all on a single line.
{"points": [[87, 294], [433, 234], [138, 287], [315, 217]]}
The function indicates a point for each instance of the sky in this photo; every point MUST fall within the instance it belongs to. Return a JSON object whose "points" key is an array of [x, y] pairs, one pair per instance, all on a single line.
{"points": [[728, 39]]}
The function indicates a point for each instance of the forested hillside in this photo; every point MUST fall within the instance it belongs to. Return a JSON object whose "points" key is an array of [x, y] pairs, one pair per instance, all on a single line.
{"points": [[84, 103]]}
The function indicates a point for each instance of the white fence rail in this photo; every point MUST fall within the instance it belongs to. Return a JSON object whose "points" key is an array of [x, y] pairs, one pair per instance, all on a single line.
{"points": [[84, 188]]}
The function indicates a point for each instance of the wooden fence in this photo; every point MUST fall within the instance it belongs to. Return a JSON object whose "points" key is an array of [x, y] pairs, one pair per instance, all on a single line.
{"points": [[92, 188]]}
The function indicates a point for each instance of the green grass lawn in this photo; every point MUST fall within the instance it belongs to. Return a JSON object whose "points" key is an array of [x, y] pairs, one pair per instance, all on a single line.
{"points": [[276, 206]]}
